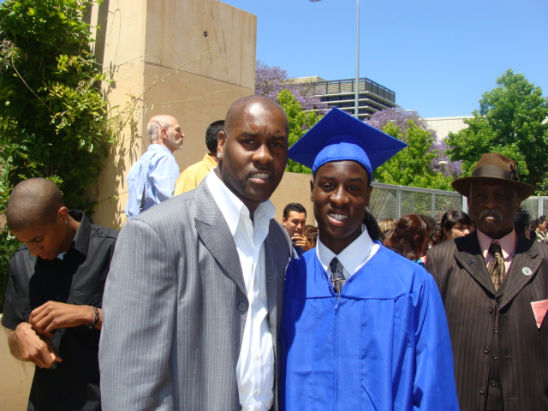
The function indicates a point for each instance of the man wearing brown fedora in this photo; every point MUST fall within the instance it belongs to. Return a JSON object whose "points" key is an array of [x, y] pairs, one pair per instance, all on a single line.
{"points": [[494, 285]]}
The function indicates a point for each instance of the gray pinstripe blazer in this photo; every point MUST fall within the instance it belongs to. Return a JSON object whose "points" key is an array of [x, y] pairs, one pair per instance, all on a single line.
{"points": [[496, 342], [174, 308]]}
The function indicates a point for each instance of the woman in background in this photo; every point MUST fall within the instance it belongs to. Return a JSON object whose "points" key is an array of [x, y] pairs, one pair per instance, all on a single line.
{"points": [[410, 237], [455, 224]]}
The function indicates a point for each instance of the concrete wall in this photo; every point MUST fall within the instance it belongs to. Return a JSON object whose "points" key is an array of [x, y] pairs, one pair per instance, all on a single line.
{"points": [[294, 188], [15, 377], [187, 58]]}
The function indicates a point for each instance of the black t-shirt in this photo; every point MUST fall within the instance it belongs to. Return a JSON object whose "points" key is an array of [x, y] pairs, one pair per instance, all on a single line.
{"points": [[78, 278]]}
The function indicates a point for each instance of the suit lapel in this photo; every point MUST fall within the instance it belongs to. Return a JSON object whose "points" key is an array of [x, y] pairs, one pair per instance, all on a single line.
{"points": [[525, 266], [470, 257], [274, 266], [214, 233]]}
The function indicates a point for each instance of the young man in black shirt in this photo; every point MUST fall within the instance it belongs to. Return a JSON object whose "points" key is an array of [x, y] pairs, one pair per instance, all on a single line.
{"points": [[54, 295]]}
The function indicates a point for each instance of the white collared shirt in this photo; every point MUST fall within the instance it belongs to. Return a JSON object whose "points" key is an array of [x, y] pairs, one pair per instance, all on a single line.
{"points": [[255, 367], [353, 257]]}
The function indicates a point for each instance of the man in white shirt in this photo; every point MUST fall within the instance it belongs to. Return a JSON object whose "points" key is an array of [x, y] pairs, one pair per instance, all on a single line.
{"points": [[192, 303]]}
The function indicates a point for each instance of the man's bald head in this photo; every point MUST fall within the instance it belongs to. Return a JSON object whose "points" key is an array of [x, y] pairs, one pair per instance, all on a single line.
{"points": [[33, 201], [165, 130], [245, 103], [157, 123]]}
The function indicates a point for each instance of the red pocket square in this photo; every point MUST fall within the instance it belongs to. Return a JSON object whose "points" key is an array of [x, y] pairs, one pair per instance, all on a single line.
{"points": [[539, 310]]}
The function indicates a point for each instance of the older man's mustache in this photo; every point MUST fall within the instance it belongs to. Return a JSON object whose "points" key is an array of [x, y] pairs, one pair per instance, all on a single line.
{"points": [[490, 213]]}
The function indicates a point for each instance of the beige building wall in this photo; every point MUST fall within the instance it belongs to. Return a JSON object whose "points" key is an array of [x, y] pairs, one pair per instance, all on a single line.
{"points": [[187, 58], [15, 377], [445, 125], [294, 188]]}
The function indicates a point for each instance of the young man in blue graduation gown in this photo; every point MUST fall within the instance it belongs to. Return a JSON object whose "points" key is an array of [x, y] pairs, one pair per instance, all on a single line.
{"points": [[363, 328]]}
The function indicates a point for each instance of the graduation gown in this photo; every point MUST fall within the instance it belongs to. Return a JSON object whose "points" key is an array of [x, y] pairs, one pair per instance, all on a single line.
{"points": [[383, 344]]}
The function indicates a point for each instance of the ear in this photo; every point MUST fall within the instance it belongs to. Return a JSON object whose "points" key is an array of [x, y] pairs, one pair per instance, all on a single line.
{"points": [[63, 214], [312, 190], [221, 140]]}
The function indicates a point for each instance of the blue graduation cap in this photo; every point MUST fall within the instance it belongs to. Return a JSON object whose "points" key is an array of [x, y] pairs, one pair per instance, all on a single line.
{"points": [[338, 136]]}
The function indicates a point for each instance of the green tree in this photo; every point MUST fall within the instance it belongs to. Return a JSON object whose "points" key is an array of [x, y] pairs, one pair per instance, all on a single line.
{"points": [[413, 165], [300, 122], [511, 120], [53, 117]]}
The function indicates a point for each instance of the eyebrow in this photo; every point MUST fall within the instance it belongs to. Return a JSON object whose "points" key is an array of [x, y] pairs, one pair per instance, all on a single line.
{"points": [[360, 179]]}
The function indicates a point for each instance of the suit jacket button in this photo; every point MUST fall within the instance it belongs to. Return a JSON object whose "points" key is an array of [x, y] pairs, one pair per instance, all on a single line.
{"points": [[486, 350], [482, 391], [242, 307]]}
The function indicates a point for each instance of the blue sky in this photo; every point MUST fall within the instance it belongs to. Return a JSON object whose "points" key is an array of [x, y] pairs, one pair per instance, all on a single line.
{"points": [[438, 56]]}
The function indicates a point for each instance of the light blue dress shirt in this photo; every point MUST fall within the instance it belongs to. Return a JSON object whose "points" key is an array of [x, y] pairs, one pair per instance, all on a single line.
{"points": [[156, 173]]}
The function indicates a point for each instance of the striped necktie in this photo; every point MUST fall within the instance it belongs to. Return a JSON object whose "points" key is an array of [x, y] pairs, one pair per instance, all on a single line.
{"points": [[496, 268], [337, 276]]}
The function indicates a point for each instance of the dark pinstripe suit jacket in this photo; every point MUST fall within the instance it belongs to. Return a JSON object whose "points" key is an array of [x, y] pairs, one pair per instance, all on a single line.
{"points": [[490, 329], [175, 307]]}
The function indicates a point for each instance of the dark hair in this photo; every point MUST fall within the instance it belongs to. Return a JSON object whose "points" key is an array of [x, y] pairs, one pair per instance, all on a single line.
{"points": [[522, 222], [408, 237], [372, 226], [297, 207], [538, 221], [31, 202], [212, 134], [450, 218]]}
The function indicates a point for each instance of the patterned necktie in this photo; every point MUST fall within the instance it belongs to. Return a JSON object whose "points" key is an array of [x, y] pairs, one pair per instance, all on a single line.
{"points": [[495, 268], [337, 276]]}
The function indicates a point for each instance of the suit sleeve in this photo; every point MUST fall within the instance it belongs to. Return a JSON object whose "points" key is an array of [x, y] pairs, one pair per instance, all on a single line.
{"points": [[138, 323], [434, 387]]}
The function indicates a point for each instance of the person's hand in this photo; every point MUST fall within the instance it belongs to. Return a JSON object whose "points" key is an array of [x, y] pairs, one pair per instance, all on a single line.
{"points": [[53, 315], [299, 240], [26, 345]]}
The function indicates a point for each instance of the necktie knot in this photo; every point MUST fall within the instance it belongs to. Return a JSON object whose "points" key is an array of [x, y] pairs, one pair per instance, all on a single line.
{"points": [[494, 249], [337, 277]]}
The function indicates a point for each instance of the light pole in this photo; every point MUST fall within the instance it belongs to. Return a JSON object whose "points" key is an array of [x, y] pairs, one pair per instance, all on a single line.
{"points": [[357, 81], [357, 84]]}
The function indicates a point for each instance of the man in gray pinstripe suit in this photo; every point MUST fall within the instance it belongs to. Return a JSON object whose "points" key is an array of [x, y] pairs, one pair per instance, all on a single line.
{"points": [[193, 299]]}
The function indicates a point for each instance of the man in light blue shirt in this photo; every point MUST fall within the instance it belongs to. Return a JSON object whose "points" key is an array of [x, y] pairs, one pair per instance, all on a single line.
{"points": [[152, 178]]}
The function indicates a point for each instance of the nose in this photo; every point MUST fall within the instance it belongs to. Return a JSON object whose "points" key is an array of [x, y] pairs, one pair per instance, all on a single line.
{"points": [[338, 196], [262, 154]]}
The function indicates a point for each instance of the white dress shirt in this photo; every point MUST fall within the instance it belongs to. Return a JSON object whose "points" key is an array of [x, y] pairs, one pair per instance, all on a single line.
{"points": [[353, 257], [255, 367]]}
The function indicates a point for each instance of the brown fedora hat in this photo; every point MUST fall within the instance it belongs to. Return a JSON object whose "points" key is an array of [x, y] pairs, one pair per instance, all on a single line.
{"points": [[494, 167]]}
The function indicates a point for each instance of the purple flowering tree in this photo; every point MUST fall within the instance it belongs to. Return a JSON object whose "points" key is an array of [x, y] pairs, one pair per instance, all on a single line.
{"points": [[269, 81], [404, 120]]}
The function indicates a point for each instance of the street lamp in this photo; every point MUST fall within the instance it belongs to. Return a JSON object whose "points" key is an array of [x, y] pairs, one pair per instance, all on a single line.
{"points": [[357, 81], [357, 85]]}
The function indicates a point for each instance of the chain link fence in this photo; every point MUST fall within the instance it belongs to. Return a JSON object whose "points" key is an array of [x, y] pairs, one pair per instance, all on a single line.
{"points": [[392, 201]]}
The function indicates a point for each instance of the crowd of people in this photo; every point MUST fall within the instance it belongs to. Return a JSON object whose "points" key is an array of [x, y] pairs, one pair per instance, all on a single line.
{"points": [[204, 302]]}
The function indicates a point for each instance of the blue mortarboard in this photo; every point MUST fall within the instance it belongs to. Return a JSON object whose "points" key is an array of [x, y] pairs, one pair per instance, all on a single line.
{"points": [[338, 136]]}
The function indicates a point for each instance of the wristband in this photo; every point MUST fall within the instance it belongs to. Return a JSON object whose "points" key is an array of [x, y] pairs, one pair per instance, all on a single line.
{"points": [[95, 318]]}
